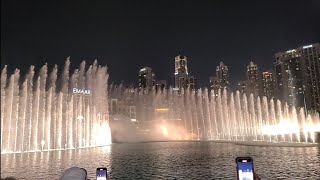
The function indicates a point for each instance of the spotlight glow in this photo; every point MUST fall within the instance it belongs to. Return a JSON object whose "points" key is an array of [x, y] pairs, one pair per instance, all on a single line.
{"points": [[164, 130]]}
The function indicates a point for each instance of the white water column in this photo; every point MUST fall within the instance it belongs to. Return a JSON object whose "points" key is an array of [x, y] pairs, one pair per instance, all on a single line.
{"points": [[41, 112]]}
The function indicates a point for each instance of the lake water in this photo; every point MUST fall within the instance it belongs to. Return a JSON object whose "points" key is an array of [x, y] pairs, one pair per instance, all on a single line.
{"points": [[167, 160]]}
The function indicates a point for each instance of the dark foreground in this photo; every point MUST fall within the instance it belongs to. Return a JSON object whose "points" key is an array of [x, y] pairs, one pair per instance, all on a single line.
{"points": [[167, 160]]}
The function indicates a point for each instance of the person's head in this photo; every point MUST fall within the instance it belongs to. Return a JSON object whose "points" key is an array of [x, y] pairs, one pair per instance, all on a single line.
{"points": [[74, 173], [9, 178]]}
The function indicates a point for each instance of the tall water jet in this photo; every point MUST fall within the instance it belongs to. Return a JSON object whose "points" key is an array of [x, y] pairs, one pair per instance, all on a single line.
{"points": [[189, 113], [239, 129], [201, 124], [259, 119], [233, 121], [195, 121], [3, 97], [273, 118], [245, 116], [38, 115], [224, 115], [252, 117], [207, 107]]}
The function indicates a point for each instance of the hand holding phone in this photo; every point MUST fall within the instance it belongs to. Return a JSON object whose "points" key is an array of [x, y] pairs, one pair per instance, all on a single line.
{"points": [[245, 169], [102, 174]]}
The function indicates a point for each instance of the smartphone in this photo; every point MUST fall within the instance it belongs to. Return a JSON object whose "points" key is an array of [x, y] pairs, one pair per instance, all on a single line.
{"points": [[245, 169], [101, 173]]}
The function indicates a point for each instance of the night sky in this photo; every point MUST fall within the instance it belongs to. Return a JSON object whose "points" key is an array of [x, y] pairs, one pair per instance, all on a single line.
{"points": [[127, 35]]}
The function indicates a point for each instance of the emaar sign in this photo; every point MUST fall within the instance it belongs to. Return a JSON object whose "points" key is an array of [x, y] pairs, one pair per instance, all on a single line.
{"points": [[81, 91]]}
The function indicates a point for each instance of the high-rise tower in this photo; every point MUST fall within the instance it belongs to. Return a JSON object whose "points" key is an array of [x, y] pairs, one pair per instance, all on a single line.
{"points": [[181, 72], [267, 84], [221, 80], [297, 76], [253, 78], [222, 73], [146, 78]]}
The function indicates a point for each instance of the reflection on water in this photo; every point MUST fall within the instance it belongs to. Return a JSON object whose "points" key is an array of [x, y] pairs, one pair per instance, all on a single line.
{"points": [[167, 160]]}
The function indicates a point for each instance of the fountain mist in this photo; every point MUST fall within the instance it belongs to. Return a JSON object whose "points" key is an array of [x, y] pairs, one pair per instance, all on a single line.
{"points": [[223, 116], [44, 113]]}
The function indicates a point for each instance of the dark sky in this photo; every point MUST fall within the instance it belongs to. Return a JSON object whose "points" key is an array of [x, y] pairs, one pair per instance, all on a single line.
{"points": [[127, 35]]}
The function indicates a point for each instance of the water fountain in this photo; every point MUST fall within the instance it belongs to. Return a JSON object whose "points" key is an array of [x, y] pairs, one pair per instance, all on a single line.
{"points": [[224, 116], [53, 112]]}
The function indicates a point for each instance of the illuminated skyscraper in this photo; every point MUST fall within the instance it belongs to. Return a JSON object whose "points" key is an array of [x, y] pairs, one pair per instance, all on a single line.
{"points": [[146, 78], [161, 85], [311, 75], [222, 73], [253, 79], [297, 76], [221, 80], [181, 72], [214, 85], [192, 83], [243, 87], [267, 84]]}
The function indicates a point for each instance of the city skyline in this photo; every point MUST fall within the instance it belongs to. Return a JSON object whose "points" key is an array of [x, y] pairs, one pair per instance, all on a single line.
{"points": [[233, 84], [240, 85], [294, 78], [251, 70]]}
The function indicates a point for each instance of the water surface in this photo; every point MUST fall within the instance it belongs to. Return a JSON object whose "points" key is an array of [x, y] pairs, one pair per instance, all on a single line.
{"points": [[167, 160]]}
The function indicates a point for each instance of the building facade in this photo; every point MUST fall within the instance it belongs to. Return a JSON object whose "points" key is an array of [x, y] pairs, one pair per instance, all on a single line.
{"points": [[253, 79], [214, 85], [121, 108], [146, 78], [161, 85], [297, 76], [267, 84], [221, 80], [243, 87], [222, 73], [311, 62], [192, 83], [181, 72]]}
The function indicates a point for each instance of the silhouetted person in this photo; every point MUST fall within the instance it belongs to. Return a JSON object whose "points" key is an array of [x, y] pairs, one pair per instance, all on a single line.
{"points": [[9, 178], [74, 173], [255, 176]]}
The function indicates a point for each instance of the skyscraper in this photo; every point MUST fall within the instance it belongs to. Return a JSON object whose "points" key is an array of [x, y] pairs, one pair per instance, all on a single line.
{"points": [[243, 87], [267, 84], [192, 83], [222, 73], [181, 72], [146, 78], [161, 85], [311, 60], [214, 85], [298, 77], [253, 79], [221, 80]]}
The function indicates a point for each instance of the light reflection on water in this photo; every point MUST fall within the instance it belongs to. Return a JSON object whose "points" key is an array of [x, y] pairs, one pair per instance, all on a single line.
{"points": [[167, 160]]}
